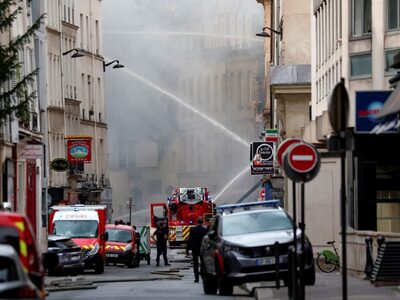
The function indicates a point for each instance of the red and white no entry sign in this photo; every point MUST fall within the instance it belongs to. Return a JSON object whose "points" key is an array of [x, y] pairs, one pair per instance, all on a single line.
{"points": [[302, 158], [283, 147]]}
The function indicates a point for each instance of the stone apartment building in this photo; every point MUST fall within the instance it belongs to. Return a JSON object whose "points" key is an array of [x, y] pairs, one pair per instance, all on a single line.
{"points": [[355, 40], [70, 104], [21, 140], [76, 103]]}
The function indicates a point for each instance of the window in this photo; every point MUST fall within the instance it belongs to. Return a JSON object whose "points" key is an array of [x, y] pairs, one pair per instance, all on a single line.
{"points": [[361, 17], [389, 56], [393, 14], [360, 65]]}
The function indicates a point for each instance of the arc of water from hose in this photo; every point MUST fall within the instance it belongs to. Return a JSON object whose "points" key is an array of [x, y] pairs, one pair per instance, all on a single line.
{"points": [[231, 182], [228, 132]]}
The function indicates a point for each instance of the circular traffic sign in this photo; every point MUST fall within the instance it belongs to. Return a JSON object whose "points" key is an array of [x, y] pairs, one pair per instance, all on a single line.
{"points": [[301, 162], [283, 147], [302, 157]]}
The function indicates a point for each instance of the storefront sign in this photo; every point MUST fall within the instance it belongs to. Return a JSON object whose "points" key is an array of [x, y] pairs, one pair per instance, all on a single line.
{"points": [[79, 150], [262, 154], [59, 165], [262, 170], [368, 105], [387, 126], [30, 151]]}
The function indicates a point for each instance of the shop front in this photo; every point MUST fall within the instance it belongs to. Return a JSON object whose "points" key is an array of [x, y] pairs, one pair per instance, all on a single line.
{"points": [[374, 189]]}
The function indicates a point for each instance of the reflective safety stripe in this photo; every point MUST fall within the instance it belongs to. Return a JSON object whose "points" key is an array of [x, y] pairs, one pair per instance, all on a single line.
{"points": [[23, 248], [20, 225], [115, 247], [185, 232], [172, 236]]}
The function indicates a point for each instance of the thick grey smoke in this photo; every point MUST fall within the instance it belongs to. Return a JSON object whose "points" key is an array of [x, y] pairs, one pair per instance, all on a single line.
{"points": [[182, 111]]}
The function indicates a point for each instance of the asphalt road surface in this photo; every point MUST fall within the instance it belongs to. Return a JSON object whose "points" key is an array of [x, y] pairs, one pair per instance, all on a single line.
{"points": [[145, 282]]}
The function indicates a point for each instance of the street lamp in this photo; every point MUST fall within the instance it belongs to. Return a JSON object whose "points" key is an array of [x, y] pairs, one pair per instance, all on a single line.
{"points": [[76, 54], [266, 34], [129, 205], [116, 66]]}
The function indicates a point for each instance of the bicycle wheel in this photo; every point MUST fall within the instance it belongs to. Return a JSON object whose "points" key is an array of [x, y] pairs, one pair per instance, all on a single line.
{"points": [[324, 264]]}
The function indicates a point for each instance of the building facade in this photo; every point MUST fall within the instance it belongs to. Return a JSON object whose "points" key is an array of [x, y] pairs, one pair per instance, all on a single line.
{"points": [[21, 140], [289, 73], [76, 103], [70, 104], [357, 40]]}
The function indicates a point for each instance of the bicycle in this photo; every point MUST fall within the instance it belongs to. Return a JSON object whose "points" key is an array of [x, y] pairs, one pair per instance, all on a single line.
{"points": [[328, 261]]}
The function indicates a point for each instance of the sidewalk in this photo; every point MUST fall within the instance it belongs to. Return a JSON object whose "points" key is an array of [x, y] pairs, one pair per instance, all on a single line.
{"points": [[329, 287]]}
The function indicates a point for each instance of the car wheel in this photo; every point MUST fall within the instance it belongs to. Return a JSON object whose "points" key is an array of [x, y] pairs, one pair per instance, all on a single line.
{"points": [[225, 287], [210, 285], [309, 276]]}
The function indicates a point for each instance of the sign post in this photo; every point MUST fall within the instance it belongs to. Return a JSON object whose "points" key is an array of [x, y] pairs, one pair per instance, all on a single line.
{"points": [[338, 110], [293, 290], [301, 163]]}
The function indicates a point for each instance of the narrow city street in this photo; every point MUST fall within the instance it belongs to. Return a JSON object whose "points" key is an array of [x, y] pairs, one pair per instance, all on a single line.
{"points": [[176, 282], [259, 134], [146, 282]]}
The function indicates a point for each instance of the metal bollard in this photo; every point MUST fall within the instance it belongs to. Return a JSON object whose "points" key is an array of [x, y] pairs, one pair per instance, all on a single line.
{"points": [[380, 240], [369, 264], [277, 267]]}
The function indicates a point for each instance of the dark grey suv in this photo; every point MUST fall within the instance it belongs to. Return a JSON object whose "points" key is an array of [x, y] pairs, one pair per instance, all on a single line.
{"points": [[240, 247], [69, 254]]}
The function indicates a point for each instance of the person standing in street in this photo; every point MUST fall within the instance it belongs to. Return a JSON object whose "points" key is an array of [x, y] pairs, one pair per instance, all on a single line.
{"points": [[161, 237], [194, 243]]}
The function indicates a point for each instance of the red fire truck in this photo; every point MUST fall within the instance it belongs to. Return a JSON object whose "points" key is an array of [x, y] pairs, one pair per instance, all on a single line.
{"points": [[181, 212]]}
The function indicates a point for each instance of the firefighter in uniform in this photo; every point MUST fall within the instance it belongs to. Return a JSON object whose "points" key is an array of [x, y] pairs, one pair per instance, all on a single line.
{"points": [[194, 243], [161, 237]]}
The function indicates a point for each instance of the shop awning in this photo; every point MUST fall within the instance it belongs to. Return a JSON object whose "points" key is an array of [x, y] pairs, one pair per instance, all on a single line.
{"points": [[392, 104]]}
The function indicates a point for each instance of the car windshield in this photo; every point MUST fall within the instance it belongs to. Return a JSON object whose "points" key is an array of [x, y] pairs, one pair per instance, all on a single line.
{"points": [[117, 235], [253, 222], [8, 270], [9, 235], [76, 228]]}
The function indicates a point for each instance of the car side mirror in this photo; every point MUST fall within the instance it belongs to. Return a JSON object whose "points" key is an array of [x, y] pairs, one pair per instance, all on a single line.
{"points": [[104, 236], [50, 260]]}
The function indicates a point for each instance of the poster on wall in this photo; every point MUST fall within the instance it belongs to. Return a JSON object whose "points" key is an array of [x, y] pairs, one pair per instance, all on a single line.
{"points": [[79, 149]]}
